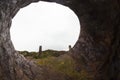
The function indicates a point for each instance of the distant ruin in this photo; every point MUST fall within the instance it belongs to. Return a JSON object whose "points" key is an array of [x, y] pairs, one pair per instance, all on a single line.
{"points": [[40, 51]]}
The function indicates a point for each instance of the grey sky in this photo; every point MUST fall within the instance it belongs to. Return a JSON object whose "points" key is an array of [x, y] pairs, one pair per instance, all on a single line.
{"points": [[48, 24]]}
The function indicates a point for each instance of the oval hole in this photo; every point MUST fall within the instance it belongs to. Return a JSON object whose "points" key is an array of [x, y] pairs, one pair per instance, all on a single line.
{"points": [[51, 25]]}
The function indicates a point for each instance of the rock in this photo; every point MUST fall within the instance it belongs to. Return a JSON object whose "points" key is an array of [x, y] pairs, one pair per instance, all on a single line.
{"points": [[98, 46]]}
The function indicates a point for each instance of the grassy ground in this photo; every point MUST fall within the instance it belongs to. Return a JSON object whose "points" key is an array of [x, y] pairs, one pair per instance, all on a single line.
{"points": [[45, 54], [57, 65]]}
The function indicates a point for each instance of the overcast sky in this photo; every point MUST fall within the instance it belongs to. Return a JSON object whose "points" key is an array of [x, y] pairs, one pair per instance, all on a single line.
{"points": [[48, 24]]}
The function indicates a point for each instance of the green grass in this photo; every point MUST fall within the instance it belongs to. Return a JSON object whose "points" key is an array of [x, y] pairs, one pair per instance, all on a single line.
{"points": [[45, 54], [64, 65], [57, 62]]}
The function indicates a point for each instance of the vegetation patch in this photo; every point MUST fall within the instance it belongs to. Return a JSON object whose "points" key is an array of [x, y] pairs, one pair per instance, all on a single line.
{"points": [[58, 63], [45, 54]]}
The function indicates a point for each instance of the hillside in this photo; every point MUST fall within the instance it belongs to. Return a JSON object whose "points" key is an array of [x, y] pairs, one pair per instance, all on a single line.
{"points": [[56, 65]]}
